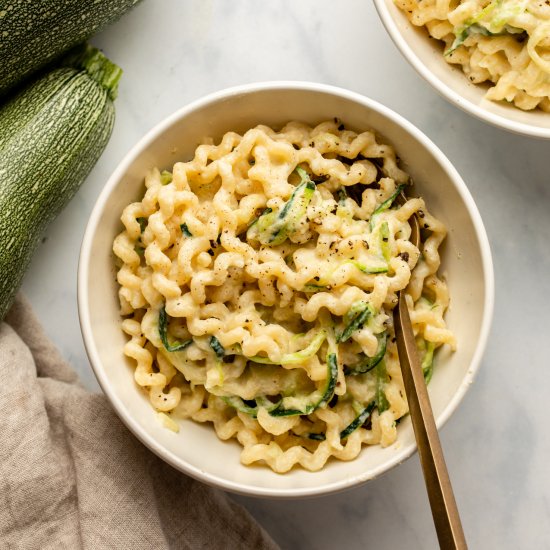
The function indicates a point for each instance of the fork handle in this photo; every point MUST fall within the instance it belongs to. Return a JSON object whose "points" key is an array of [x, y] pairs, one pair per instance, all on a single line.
{"points": [[438, 485]]}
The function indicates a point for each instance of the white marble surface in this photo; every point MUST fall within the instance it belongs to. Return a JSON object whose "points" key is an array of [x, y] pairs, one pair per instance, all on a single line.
{"points": [[497, 444]]}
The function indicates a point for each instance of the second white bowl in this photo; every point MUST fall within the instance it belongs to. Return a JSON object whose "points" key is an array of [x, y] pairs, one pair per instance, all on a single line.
{"points": [[425, 54]]}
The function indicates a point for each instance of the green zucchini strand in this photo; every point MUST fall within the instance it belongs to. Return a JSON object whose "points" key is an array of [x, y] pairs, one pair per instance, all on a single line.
{"points": [[273, 228], [217, 348], [357, 322], [368, 363], [185, 230], [385, 241], [359, 420], [427, 362], [382, 402], [315, 401], [296, 357], [163, 333], [368, 269], [386, 204], [165, 177]]}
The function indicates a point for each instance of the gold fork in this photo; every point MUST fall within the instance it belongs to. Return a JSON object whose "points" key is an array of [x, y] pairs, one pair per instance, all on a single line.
{"points": [[438, 485]]}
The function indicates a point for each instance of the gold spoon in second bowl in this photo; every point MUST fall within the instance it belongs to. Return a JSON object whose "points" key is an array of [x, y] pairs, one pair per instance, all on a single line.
{"points": [[440, 492]]}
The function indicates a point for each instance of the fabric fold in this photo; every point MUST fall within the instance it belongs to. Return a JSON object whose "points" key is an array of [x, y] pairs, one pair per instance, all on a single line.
{"points": [[73, 476]]}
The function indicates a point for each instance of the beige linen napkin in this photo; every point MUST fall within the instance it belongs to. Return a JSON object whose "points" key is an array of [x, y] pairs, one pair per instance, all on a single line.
{"points": [[72, 476]]}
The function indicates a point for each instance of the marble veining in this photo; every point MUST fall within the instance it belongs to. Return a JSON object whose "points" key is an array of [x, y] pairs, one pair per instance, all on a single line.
{"points": [[497, 443]]}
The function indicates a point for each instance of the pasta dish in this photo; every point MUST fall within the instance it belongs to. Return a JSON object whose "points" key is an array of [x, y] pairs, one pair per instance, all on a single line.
{"points": [[257, 282], [503, 42]]}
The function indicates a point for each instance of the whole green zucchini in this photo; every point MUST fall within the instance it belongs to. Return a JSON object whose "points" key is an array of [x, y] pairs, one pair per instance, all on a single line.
{"points": [[51, 135], [35, 32]]}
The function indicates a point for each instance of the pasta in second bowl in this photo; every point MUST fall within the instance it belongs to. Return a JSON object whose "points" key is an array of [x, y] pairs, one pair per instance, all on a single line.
{"points": [[490, 58], [294, 170]]}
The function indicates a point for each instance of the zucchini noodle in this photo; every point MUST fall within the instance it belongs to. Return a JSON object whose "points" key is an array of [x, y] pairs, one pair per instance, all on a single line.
{"points": [[257, 282]]}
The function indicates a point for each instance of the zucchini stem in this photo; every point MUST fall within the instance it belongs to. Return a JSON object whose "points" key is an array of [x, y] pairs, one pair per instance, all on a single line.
{"points": [[87, 58]]}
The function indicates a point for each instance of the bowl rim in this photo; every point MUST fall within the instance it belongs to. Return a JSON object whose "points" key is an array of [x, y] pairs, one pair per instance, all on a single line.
{"points": [[449, 93], [85, 261]]}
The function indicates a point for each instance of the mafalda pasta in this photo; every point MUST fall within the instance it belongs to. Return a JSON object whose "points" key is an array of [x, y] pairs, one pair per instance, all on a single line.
{"points": [[257, 282], [502, 42]]}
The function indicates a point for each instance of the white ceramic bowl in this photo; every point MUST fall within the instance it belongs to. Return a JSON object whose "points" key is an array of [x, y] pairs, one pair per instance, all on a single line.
{"points": [[425, 54], [196, 450]]}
